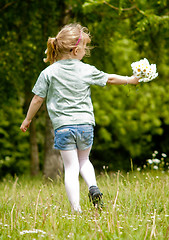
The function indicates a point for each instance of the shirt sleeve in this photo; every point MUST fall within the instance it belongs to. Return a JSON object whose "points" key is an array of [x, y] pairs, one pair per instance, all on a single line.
{"points": [[98, 77], [41, 86]]}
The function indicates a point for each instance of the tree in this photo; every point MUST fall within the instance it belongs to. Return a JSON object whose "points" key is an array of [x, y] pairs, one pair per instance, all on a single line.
{"points": [[25, 27], [128, 119], [53, 165]]}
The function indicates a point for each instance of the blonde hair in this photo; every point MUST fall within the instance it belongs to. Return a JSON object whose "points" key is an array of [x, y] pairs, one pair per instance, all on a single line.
{"points": [[65, 41]]}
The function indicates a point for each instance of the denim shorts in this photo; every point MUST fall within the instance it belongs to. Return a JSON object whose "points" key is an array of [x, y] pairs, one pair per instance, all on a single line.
{"points": [[74, 136]]}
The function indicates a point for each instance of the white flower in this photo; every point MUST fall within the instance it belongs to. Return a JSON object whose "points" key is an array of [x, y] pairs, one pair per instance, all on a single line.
{"points": [[138, 169], [150, 161], [164, 155], [155, 167], [144, 71], [157, 161], [32, 231]]}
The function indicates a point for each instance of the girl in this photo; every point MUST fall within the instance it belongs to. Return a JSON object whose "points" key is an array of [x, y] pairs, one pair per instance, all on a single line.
{"points": [[66, 84]]}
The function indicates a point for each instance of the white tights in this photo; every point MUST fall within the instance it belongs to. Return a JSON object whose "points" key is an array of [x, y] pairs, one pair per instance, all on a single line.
{"points": [[76, 161]]}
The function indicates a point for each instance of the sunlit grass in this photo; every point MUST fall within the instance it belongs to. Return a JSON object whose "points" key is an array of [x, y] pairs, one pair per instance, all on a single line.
{"points": [[136, 207]]}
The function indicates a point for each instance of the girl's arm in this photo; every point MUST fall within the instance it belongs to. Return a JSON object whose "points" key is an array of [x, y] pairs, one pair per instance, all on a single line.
{"points": [[33, 108], [119, 80]]}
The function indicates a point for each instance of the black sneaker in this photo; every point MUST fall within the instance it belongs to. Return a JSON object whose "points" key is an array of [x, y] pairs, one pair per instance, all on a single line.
{"points": [[96, 196]]}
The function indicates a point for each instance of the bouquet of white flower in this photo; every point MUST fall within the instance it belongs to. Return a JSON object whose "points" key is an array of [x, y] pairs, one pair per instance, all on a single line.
{"points": [[144, 71]]}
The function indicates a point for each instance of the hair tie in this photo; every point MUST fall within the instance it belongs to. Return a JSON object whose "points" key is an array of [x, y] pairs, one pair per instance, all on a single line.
{"points": [[80, 37]]}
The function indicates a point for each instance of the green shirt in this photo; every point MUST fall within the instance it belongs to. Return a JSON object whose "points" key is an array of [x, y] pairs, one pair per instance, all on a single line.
{"points": [[66, 84]]}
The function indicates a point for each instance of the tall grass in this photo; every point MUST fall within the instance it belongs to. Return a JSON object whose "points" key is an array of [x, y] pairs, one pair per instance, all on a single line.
{"points": [[136, 207]]}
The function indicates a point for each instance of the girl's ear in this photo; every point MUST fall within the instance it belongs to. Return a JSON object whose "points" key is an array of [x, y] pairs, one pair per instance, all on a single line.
{"points": [[75, 51]]}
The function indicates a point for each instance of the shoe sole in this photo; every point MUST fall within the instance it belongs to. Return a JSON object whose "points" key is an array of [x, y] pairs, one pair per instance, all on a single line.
{"points": [[97, 200]]}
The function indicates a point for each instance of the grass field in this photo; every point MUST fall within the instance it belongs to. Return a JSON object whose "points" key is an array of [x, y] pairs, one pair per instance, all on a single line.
{"points": [[136, 207]]}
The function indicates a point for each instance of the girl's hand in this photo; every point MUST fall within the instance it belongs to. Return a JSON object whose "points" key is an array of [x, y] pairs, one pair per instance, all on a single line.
{"points": [[25, 125], [133, 80]]}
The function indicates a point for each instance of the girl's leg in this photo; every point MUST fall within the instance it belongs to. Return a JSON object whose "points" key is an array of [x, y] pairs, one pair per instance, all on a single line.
{"points": [[86, 167], [87, 172], [71, 165]]}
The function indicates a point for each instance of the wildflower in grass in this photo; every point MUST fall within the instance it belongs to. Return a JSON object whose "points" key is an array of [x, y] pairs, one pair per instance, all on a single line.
{"points": [[6, 225], [32, 231], [164, 155], [138, 169], [150, 161], [154, 154], [70, 235], [155, 167], [156, 161]]}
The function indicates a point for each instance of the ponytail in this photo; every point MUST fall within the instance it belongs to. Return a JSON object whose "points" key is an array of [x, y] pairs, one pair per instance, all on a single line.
{"points": [[52, 50]]}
